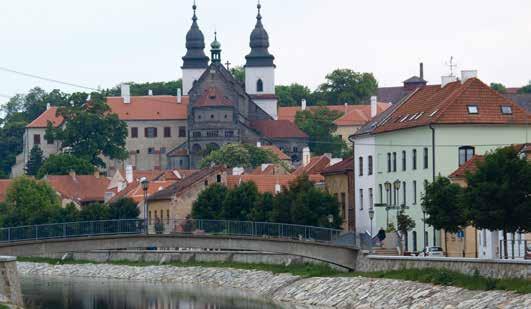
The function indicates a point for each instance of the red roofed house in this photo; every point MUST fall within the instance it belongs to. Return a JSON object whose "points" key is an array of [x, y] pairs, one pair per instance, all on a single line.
{"points": [[4, 184], [80, 189]]}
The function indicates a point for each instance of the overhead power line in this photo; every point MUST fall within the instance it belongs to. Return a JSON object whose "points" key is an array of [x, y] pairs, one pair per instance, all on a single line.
{"points": [[46, 79]]}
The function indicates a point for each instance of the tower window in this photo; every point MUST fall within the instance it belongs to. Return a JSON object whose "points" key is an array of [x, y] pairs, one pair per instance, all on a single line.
{"points": [[259, 86]]}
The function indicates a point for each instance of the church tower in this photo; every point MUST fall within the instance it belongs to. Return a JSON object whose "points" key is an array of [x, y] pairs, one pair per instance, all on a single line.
{"points": [[260, 70], [195, 62]]}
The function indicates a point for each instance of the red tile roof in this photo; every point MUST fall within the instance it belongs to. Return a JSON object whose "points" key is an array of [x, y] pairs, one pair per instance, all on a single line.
{"points": [[4, 184], [266, 183], [278, 129], [213, 96], [80, 188], [448, 105], [47, 115], [274, 149], [340, 168], [134, 190], [315, 167], [150, 108], [469, 166]]}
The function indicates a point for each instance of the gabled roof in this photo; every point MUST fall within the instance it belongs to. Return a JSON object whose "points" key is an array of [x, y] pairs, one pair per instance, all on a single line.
{"points": [[315, 167], [163, 107], [4, 184], [48, 115], [469, 166], [278, 129], [135, 191], [80, 188], [267, 183], [342, 167], [274, 149], [448, 105]]}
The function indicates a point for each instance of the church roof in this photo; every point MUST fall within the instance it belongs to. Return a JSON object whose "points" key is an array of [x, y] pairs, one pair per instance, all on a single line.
{"points": [[195, 57], [259, 43], [278, 129], [213, 96]]}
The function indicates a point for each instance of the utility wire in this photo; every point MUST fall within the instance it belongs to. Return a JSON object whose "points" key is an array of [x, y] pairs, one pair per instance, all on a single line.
{"points": [[46, 78]]}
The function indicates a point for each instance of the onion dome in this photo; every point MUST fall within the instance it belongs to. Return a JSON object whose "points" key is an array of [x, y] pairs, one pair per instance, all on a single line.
{"points": [[195, 57], [259, 56], [216, 49]]}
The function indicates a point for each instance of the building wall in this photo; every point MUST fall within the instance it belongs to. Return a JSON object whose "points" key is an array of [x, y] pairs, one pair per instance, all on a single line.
{"points": [[338, 186], [28, 143], [461, 245], [365, 147], [253, 74], [346, 131]]}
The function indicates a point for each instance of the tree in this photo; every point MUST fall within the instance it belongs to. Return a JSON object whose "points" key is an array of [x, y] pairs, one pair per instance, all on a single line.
{"points": [[441, 201], [498, 87], [142, 89], [404, 223], [239, 155], [347, 86], [69, 213], [320, 127], [91, 131], [124, 208], [209, 202], [525, 89], [238, 72], [94, 212], [29, 202], [497, 194], [240, 202], [35, 161], [262, 210], [63, 164], [293, 95]]}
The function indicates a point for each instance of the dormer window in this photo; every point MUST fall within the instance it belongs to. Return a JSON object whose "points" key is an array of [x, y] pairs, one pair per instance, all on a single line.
{"points": [[259, 86], [506, 110], [473, 109]]}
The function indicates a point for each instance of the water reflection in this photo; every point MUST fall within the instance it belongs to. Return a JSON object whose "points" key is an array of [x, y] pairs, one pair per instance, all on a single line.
{"points": [[103, 294]]}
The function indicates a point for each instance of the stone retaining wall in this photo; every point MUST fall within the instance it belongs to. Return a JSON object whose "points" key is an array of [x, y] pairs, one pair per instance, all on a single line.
{"points": [[486, 268], [9, 282]]}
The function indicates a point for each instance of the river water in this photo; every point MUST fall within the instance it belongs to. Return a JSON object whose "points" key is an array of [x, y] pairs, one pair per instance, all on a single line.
{"points": [[58, 293]]}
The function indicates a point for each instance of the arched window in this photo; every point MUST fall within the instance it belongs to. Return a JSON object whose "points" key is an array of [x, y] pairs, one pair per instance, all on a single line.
{"points": [[465, 153], [259, 86]]}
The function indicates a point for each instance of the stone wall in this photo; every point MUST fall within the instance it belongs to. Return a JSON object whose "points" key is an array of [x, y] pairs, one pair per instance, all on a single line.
{"points": [[485, 268], [9, 282]]}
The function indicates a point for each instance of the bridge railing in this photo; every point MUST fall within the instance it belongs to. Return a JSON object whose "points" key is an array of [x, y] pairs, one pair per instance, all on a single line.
{"points": [[169, 227]]}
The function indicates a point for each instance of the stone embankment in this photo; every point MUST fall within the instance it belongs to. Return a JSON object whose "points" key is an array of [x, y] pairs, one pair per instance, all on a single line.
{"points": [[357, 292]]}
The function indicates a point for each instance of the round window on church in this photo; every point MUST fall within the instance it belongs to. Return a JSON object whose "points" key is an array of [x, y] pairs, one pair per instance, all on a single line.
{"points": [[211, 116], [226, 116]]}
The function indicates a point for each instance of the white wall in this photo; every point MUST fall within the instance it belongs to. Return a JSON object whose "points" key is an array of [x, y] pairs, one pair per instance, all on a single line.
{"points": [[189, 76], [253, 74], [364, 147]]}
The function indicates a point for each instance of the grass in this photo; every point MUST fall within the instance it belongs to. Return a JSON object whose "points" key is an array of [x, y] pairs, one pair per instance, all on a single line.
{"points": [[428, 275], [3, 306]]}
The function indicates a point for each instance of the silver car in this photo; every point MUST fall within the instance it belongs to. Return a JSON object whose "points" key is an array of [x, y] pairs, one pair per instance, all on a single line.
{"points": [[432, 251]]}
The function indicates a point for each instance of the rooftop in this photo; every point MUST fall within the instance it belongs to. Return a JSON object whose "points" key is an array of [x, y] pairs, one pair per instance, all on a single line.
{"points": [[278, 129], [342, 167], [80, 188], [4, 184]]}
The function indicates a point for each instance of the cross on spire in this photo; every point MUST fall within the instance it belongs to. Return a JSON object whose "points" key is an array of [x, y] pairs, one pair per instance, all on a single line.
{"points": [[227, 64]]}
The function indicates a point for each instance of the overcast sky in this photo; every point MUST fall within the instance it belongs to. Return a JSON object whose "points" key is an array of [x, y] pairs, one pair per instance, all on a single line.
{"points": [[105, 42]]}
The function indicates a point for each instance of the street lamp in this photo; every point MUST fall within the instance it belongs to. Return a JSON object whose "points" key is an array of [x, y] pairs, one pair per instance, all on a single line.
{"points": [[371, 216], [388, 190], [396, 186], [145, 185], [330, 219]]}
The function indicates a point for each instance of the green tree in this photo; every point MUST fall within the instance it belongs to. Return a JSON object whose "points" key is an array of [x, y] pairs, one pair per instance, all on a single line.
{"points": [[29, 202], [94, 212], [240, 202], [91, 131], [404, 223], [142, 89], [320, 127], [347, 86], [63, 164], [262, 210], [70, 213], [498, 87], [35, 161], [525, 89], [12, 131], [444, 210], [293, 94], [124, 208], [208, 204], [239, 155], [497, 194], [238, 72]]}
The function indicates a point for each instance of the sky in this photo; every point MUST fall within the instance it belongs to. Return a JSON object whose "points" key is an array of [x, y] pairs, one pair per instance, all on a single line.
{"points": [[103, 43]]}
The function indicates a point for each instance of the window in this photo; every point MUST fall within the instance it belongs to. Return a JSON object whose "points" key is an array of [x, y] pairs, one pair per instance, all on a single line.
{"points": [[404, 191], [394, 161], [370, 166], [473, 109], [414, 192], [36, 139], [49, 141], [506, 110], [212, 133], [380, 193], [388, 162], [218, 178], [167, 132], [196, 134], [168, 214], [206, 183], [415, 241], [259, 86], [162, 150], [361, 199], [229, 133], [182, 131], [465, 153], [134, 132], [414, 159], [295, 149], [371, 198], [151, 150], [403, 160], [425, 158], [212, 116], [150, 132], [360, 166]]}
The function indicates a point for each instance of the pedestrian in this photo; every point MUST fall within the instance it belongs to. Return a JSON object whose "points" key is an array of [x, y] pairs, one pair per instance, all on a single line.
{"points": [[381, 234]]}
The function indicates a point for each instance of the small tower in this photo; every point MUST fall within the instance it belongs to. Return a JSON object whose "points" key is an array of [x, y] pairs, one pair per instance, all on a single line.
{"points": [[260, 69], [216, 49], [195, 62]]}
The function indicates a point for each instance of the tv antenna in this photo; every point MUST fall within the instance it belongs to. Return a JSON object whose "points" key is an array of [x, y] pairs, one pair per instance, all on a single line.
{"points": [[452, 65]]}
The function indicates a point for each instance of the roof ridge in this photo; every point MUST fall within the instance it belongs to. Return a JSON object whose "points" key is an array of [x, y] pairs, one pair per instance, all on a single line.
{"points": [[451, 98]]}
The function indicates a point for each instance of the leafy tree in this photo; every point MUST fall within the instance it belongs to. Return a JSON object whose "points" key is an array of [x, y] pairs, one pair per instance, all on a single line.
{"points": [[91, 131], [11, 133], [239, 155], [497, 195], [124, 208], [238, 72], [262, 209], [35, 161], [142, 89], [29, 202], [320, 127], [347, 86], [525, 89], [240, 202], [94, 212], [209, 202], [293, 94], [498, 87], [63, 164], [405, 223], [443, 208], [69, 213]]}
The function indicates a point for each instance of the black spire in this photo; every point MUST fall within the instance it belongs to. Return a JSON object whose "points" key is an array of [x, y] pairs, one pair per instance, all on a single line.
{"points": [[195, 57], [259, 56]]}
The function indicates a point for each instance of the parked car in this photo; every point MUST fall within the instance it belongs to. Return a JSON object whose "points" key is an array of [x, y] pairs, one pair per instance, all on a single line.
{"points": [[432, 251]]}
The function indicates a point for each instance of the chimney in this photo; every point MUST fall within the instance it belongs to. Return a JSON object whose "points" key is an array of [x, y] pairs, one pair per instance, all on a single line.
{"points": [[179, 96], [468, 74], [126, 93], [150, 92], [306, 156], [238, 171], [277, 188], [374, 106], [445, 80], [72, 174], [48, 106], [303, 105], [264, 166], [97, 174], [129, 173], [421, 70]]}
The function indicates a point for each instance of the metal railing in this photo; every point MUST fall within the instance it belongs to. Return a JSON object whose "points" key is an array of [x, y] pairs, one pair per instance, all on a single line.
{"points": [[516, 249], [169, 227]]}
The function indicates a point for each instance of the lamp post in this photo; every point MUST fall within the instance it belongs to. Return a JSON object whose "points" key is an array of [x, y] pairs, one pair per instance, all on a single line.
{"points": [[371, 216], [388, 190], [424, 224], [145, 185], [396, 186]]}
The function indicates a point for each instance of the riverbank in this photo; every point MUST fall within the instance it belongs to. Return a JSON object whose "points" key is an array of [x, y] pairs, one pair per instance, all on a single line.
{"points": [[340, 292]]}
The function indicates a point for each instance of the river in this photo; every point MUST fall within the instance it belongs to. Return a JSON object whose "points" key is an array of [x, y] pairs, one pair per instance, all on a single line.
{"points": [[57, 293]]}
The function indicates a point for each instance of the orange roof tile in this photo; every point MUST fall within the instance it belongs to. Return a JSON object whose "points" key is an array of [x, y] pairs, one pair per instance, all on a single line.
{"points": [[469, 166], [48, 115], [266, 183], [80, 188], [316, 165], [150, 108], [134, 190], [4, 184], [341, 167], [274, 149], [278, 129]]}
